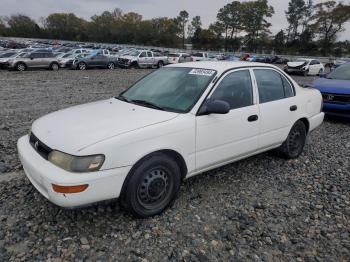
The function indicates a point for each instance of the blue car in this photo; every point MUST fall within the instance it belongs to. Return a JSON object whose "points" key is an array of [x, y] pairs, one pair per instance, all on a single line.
{"points": [[335, 89]]}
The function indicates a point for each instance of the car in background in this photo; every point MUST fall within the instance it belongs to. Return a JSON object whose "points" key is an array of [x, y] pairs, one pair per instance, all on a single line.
{"points": [[66, 60], [175, 58], [335, 90], [173, 124], [94, 61], [4, 60], [142, 59], [305, 67], [339, 62], [34, 60], [200, 56], [232, 58]]}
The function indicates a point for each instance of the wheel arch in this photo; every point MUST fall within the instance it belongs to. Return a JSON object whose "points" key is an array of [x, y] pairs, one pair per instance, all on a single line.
{"points": [[306, 123], [167, 152]]}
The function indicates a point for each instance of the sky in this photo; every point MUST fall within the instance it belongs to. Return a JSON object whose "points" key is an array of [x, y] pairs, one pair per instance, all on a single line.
{"points": [[207, 9]]}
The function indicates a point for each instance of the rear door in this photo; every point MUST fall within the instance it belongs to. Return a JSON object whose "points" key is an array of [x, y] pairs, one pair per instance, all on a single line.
{"points": [[277, 104], [150, 59], [222, 138]]}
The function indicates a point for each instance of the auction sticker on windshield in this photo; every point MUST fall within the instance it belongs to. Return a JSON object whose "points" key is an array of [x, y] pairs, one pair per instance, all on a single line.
{"points": [[202, 72]]}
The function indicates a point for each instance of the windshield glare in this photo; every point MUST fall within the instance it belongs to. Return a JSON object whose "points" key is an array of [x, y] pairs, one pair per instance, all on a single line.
{"points": [[341, 73], [173, 89]]}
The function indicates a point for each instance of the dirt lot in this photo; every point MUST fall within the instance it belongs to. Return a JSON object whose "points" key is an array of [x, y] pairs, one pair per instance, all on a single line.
{"points": [[260, 209]]}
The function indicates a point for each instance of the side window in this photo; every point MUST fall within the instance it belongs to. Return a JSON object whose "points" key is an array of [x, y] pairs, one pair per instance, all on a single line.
{"points": [[288, 89], [236, 89], [143, 54], [149, 54], [270, 85]]}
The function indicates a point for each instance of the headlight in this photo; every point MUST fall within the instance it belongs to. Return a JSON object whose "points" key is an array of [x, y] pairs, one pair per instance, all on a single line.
{"points": [[76, 164]]}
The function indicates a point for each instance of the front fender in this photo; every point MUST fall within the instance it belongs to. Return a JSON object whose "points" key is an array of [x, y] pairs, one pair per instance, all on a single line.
{"points": [[127, 149]]}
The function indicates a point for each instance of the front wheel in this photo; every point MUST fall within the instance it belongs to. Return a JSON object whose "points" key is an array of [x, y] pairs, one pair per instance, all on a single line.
{"points": [[160, 64], [295, 142], [152, 187], [111, 66], [82, 66], [20, 67], [54, 67]]}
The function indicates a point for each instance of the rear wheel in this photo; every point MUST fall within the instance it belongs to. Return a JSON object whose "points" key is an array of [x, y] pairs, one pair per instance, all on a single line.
{"points": [[82, 66], [21, 67], [152, 187], [295, 142]]}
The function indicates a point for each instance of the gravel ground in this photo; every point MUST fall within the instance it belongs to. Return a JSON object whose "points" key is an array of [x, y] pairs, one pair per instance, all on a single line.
{"points": [[260, 209]]}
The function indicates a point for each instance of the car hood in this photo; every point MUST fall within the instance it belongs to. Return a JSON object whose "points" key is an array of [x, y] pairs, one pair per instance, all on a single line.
{"points": [[295, 64], [332, 86], [73, 129]]}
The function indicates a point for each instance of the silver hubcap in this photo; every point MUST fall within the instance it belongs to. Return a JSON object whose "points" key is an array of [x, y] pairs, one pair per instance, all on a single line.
{"points": [[54, 67], [82, 66], [21, 67], [111, 66]]}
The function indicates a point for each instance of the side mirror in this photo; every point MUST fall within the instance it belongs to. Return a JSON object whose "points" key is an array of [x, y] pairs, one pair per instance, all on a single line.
{"points": [[323, 75], [214, 107]]}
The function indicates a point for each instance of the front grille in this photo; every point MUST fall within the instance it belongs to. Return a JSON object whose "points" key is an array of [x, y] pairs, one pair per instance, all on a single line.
{"points": [[39, 146], [123, 61], [336, 98]]}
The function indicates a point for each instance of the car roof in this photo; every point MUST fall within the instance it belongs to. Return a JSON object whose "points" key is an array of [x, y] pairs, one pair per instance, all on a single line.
{"points": [[221, 66]]}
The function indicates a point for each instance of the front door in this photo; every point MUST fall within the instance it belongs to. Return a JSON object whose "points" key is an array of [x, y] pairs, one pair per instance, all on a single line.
{"points": [[222, 138]]}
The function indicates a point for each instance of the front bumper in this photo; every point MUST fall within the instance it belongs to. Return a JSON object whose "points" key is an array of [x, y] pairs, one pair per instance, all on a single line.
{"points": [[337, 109], [103, 185]]}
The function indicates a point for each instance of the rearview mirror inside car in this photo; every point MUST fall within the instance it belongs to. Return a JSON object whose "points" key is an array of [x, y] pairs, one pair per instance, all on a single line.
{"points": [[214, 107]]}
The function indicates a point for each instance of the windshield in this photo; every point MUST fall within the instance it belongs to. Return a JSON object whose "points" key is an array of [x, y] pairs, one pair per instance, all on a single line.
{"points": [[172, 89], [67, 55], [134, 53], [341, 73]]}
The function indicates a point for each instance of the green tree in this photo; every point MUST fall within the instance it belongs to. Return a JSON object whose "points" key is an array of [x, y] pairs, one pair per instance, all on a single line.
{"points": [[195, 25], [3, 29], [254, 21], [279, 42], [328, 21], [182, 21], [22, 26], [230, 19], [65, 26]]}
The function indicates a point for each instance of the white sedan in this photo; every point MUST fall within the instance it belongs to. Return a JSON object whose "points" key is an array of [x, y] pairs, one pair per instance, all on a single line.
{"points": [[177, 122], [305, 67]]}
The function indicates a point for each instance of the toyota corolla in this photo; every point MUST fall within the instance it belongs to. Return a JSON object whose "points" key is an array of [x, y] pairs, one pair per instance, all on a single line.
{"points": [[176, 122]]}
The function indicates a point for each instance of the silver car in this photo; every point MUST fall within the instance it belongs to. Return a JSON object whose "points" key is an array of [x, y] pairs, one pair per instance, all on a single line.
{"points": [[44, 60]]}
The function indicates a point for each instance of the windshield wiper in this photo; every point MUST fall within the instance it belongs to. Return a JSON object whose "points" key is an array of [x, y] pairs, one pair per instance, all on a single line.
{"points": [[147, 104], [123, 98]]}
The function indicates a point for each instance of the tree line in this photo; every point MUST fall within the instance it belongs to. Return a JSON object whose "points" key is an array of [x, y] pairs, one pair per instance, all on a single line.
{"points": [[240, 26]]}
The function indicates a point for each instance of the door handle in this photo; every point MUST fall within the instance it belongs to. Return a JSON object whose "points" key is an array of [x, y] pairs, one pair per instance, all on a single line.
{"points": [[253, 118], [293, 108]]}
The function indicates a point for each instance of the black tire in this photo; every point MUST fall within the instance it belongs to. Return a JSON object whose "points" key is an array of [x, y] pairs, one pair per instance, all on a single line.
{"points": [[20, 67], [295, 142], [54, 67], [134, 66], [160, 64], [82, 66], [110, 65], [306, 73], [152, 186]]}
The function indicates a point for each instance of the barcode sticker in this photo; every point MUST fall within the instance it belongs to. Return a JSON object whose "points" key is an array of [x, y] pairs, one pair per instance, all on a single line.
{"points": [[202, 72]]}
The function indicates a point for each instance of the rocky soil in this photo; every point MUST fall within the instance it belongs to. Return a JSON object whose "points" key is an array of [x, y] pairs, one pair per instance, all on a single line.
{"points": [[260, 209]]}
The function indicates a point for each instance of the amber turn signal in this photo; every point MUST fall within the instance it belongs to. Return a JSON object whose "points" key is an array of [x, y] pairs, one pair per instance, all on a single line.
{"points": [[69, 189]]}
